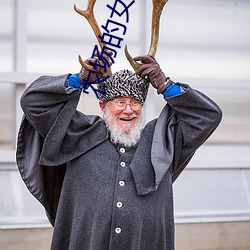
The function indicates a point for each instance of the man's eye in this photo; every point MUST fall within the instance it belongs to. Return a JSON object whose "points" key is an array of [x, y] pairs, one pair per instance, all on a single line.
{"points": [[120, 102], [135, 103]]}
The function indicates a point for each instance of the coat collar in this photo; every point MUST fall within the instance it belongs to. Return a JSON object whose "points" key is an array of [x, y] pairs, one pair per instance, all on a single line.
{"points": [[154, 154]]}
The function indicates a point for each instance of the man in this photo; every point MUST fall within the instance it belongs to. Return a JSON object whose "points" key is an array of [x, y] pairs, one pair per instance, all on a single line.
{"points": [[107, 183]]}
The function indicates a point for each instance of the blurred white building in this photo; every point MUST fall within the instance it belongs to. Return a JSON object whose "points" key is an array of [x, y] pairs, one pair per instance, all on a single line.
{"points": [[205, 43]]}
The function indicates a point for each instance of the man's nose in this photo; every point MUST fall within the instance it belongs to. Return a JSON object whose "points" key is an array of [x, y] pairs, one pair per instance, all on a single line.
{"points": [[128, 110]]}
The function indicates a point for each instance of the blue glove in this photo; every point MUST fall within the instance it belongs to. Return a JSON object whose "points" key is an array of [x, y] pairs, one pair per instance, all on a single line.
{"points": [[172, 90], [73, 81]]}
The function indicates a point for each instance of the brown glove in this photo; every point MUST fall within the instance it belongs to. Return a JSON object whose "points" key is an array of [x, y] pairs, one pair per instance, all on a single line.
{"points": [[100, 70], [83, 75], [151, 69]]}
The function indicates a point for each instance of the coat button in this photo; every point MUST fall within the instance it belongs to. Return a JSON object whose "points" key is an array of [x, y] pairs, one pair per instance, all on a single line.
{"points": [[121, 183], [118, 230], [123, 164], [119, 204], [122, 150]]}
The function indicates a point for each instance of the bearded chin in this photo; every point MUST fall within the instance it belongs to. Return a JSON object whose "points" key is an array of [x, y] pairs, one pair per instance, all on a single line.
{"points": [[117, 135]]}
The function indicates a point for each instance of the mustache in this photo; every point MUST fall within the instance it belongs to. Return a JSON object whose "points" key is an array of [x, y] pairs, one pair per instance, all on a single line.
{"points": [[122, 116]]}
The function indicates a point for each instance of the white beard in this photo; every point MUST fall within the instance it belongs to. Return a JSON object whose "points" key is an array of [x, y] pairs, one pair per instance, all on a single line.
{"points": [[127, 139]]}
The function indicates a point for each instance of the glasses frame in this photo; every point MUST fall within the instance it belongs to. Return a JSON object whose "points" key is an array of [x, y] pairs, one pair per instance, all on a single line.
{"points": [[134, 108]]}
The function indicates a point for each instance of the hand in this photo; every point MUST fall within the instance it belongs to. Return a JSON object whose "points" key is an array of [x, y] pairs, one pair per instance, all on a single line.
{"points": [[151, 69], [83, 75], [100, 70]]}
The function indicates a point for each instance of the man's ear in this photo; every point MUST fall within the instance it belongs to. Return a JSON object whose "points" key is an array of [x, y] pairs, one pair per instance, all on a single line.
{"points": [[102, 105]]}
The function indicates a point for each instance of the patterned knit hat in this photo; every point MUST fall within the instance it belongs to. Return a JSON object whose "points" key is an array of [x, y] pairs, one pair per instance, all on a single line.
{"points": [[124, 83]]}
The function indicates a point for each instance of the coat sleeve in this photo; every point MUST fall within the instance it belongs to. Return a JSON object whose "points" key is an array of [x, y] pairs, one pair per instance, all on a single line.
{"points": [[67, 133], [42, 102], [44, 99], [197, 117], [52, 133]]}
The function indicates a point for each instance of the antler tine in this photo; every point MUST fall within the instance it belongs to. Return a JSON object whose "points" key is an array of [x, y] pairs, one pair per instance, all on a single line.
{"points": [[158, 6], [135, 65], [88, 13]]}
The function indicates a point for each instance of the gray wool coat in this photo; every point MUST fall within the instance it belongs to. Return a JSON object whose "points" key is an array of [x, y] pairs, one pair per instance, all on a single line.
{"points": [[99, 195]]}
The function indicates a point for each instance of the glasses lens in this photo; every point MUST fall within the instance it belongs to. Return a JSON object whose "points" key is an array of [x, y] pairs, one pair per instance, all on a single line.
{"points": [[135, 105], [120, 105]]}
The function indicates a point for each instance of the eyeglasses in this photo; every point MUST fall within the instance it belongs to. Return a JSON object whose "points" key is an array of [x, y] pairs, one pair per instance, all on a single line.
{"points": [[121, 105]]}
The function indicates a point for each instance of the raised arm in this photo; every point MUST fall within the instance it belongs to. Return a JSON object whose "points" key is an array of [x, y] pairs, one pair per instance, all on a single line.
{"points": [[44, 99], [196, 115]]}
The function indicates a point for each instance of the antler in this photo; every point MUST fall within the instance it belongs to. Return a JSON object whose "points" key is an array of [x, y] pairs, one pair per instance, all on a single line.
{"points": [[89, 15], [158, 6]]}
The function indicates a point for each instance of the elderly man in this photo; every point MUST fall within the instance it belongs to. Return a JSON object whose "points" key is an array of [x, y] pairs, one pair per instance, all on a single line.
{"points": [[107, 183]]}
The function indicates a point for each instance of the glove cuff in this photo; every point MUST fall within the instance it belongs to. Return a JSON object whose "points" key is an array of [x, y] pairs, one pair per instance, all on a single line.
{"points": [[165, 85]]}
